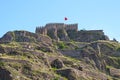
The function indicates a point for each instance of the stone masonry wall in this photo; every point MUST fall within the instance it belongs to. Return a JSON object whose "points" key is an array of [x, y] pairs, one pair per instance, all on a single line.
{"points": [[56, 26]]}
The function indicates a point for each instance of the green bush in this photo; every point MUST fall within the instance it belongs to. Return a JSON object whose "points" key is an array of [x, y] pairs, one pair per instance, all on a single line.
{"points": [[56, 78], [61, 45], [118, 49], [1, 64]]}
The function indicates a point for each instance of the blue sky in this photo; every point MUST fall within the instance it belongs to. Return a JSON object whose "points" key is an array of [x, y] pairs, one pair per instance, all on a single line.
{"points": [[89, 14]]}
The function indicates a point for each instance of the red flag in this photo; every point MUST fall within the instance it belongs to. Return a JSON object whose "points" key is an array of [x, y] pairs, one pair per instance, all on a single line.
{"points": [[65, 18]]}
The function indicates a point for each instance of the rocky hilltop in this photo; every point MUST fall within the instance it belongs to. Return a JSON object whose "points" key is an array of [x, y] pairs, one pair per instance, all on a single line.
{"points": [[59, 51]]}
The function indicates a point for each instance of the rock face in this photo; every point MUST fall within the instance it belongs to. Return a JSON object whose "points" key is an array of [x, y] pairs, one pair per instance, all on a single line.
{"points": [[115, 72], [87, 36], [57, 63], [99, 54], [8, 37], [71, 74], [5, 75], [2, 49], [23, 36]]}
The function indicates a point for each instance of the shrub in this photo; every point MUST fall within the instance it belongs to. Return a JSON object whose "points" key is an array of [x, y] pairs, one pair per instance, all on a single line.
{"points": [[61, 45], [56, 78], [118, 49], [1, 64]]}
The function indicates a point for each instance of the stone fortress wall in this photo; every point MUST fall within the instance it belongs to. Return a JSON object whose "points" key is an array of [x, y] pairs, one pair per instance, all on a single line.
{"points": [[71, 27], [93, 31], [57, 26]]}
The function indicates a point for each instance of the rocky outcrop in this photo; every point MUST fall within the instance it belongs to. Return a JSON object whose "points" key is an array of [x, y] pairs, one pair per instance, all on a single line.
{"points": [[70, 74], [57, 63], [5, 74], [57, 34], [8, 37], [114, 72], [90, 35], [62, 35], [2, 50], [98, 54], [24, 36], [6, 49], [80, 36]]}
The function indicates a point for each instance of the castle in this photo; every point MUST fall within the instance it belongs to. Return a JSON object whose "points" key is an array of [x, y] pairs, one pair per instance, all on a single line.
{"points": [[67, 32], [56, 26]]}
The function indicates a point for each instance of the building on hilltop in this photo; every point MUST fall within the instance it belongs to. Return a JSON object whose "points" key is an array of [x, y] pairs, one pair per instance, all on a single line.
{"points": [[67, 32], [56, 26]]}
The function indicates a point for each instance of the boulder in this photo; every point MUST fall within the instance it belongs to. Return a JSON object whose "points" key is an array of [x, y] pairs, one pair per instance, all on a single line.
{"points": [[44, 48], [5, 74], [2, 49], [57, 63], [70, 74], [114, 72], [78, 67], [44, 39]]}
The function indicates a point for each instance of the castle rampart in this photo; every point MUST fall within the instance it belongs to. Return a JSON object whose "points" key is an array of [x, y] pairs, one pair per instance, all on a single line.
{"points": [[56, 26], [66, 32], [93, 31], [71, 27]]}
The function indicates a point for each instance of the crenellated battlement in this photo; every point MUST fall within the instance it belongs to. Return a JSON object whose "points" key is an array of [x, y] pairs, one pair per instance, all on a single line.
{"points": [[56, 26], [41, 30], [71, 27]]}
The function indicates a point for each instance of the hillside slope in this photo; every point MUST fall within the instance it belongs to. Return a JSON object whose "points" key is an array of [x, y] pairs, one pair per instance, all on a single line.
{"points": [[30, 56]]}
